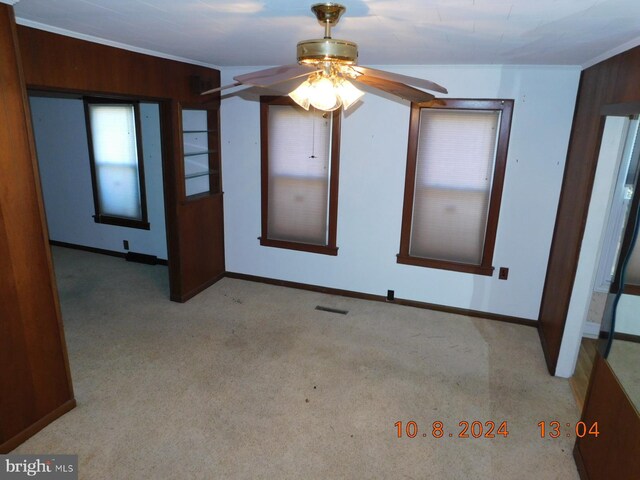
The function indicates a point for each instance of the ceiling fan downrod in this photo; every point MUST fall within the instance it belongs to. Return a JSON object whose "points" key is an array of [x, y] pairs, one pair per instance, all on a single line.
{"points": [[327, 49], [328, 14]]}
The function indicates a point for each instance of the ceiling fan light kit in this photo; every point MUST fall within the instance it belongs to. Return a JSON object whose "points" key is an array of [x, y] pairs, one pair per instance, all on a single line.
{"points": [[330, 66], [326, 93]]}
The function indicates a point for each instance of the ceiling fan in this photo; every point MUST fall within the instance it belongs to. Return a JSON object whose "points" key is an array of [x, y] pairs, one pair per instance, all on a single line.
{"points": [[330, 65]]}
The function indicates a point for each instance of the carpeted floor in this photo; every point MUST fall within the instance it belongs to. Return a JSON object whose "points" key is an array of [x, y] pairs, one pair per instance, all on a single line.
{"points": [[623, 360], [249, 381]]}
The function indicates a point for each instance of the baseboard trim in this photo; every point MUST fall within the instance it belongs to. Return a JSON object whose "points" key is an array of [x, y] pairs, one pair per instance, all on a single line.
{"points": [[591, 330], [34, 428], [141, 258], [101, 251], [382, 298]]}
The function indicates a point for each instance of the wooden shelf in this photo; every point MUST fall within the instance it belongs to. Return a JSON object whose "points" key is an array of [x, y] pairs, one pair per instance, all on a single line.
{"points": [[194, 154], [200, 174]]}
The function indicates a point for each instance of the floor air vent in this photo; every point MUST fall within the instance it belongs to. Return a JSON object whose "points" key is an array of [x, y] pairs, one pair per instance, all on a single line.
{"points": [[331, 310]]}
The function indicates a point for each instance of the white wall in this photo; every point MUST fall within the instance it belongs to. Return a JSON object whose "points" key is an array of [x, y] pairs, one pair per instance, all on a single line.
{"points": [[372, 170], [63, 157]]}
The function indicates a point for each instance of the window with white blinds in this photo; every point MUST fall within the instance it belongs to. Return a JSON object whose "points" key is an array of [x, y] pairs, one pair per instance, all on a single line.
{"points": [[299, 176], [456, 152], [454, 155], [116, 163]]}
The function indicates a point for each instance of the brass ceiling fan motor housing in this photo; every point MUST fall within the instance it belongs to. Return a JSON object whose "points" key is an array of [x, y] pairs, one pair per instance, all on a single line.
{"points": [[327, 49]]}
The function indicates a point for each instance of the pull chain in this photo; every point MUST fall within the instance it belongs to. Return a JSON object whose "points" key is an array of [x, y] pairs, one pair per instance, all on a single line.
{"points": [[313, 135]]}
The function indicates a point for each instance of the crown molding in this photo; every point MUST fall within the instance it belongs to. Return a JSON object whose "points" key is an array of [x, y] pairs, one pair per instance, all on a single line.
{"points": [[9, 2]]}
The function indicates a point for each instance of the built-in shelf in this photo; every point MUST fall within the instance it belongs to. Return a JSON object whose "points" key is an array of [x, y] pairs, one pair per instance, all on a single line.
{"points": [[204, 152], [200, 152], [200, 174]]}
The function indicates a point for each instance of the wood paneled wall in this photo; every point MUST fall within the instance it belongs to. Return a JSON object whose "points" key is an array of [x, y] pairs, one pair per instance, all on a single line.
{"points": [[194, 229], [615, 452], [35, 382], [52, 61], [610, 82]]}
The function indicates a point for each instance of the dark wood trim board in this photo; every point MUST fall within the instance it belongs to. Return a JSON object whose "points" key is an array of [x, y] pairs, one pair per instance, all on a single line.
{"points": [[101, 251]]}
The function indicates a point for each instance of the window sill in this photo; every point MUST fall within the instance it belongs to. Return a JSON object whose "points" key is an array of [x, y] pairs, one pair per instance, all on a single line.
{"points": [[122, 222], [303, 247], [444, 265]]}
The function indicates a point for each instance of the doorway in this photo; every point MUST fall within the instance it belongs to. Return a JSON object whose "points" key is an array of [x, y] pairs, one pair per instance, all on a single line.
{"points": [[60, 131]]}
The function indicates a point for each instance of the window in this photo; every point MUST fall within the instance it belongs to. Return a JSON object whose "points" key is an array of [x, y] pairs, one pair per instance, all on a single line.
{"points": [[300, 158], [115, 151], [455, 169]]}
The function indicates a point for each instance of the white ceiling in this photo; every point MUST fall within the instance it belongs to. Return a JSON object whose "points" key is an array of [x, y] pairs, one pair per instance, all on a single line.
{"points": [[388, 32]]}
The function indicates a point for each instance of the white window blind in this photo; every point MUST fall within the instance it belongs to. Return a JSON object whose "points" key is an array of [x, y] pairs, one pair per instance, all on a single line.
{"points": [[298, 163], [454, 170], [113, 136]]}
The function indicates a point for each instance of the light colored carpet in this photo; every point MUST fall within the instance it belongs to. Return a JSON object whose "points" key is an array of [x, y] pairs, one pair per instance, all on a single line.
{"points": [[624, 359], [248, 381]]}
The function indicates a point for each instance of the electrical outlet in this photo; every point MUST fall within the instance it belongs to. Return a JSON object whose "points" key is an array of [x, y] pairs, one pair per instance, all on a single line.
{"points": [[125, 244], [503, 274], [390, 295]]}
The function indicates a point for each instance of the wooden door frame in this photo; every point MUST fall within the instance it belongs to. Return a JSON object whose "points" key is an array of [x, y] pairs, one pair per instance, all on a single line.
{"points": [[168, 166]]}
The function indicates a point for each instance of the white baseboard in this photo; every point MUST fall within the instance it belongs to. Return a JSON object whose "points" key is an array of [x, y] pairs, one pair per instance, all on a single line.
{"points": [[591, 330]]}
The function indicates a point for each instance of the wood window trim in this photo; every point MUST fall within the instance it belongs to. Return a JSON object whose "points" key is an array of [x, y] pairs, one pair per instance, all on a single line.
{"points": [[334, 177], [485, 268], [98, 217]]}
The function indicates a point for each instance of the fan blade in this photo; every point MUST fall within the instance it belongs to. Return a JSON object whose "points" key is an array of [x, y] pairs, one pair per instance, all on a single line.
{"points": [[269, 76], [396, 88], [217, 89], [397, 77]]}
